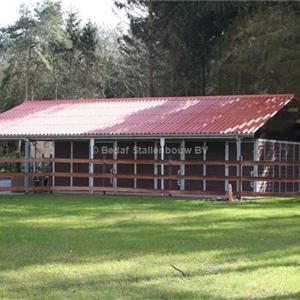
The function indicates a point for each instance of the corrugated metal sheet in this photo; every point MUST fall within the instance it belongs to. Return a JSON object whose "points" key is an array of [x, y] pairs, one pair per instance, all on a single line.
{"points": [[224, 115]]}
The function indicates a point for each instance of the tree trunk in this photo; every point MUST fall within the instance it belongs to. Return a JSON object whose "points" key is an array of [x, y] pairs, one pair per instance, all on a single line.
{"points": [[151, 76], [203, 83]]}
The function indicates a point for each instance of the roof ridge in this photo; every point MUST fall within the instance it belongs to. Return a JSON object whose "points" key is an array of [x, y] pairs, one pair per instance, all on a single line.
{"points": [[157, 98]]}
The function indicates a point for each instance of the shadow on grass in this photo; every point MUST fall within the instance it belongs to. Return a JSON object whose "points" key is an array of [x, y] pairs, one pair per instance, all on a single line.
{"points": [[92, 288], [68, 229], [130, 286], [91, 238]]}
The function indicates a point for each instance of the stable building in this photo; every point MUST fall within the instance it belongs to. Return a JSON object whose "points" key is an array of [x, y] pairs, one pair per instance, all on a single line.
{"points": [[121, 144]]}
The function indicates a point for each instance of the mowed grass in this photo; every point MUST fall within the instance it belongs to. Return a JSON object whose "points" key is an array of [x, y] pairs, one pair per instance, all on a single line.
{"points": [[95, 247]]}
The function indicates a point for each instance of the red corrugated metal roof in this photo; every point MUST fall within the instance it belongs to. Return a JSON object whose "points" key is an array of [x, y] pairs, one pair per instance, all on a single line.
{"points": [[225, 115]]}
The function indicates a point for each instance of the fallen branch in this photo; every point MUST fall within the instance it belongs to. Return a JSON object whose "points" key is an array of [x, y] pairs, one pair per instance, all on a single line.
{"points": [[180, 271]]}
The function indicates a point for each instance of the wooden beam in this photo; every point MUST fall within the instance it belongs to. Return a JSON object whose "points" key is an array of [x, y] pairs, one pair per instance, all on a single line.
{"points": [[152, 162], [195, 193]]}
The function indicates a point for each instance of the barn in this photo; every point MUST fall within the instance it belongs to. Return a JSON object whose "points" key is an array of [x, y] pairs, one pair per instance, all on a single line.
{"points": [[167, 145]]}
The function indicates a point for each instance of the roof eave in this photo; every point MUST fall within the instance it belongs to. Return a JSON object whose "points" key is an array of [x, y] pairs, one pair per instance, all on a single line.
{"points": [[126, 137]]}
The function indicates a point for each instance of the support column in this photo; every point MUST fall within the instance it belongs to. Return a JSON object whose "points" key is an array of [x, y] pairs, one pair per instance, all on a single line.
{"points": [[286, 168], [135, 165], [162, 157], [115, 165], [91, 164], [155, 165], [298, 167], [226, 166], [273, 167], [204, 166], [26, 166], [53, 164], [238, 158], [255, 167], [71, 165], [182, 165], [266, 167], [294, 155], [34, 163], [280, 158]]}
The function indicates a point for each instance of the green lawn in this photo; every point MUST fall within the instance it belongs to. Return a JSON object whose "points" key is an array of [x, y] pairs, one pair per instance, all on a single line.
{"points": [[94, 247]]}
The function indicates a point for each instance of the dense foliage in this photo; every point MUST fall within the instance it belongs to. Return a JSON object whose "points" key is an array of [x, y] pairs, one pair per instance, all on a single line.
{"points": [[171, 48], [44, 56], [216, 47]]}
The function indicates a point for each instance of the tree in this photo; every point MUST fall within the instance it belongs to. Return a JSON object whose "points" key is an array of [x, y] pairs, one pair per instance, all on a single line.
{"points": [[19, 40], [179, 37], [32, 45], [261, 53], [53, 41], [141, 47], [71, 60], [43, 56]]}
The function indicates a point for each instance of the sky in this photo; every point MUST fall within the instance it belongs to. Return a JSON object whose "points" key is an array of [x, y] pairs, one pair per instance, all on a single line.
{"points": [[99, 11]]}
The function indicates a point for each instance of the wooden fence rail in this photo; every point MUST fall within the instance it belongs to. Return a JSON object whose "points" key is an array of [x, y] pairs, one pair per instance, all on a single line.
{"points": [[50, 174], [152, 161], [148, 176]]}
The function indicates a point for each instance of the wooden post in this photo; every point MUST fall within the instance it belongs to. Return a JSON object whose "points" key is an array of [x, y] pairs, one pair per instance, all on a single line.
{"points": [[229, 193], [135, 165], [91, 165], [204, 167], [273, 167], [169, 180], [255, 167], [53, 164], [26, 166], [34, 155], [155, 165], [280, 158], [266, 167], [162, 157], [240, 177], [286, 168], [71, 164], [182, 165], [238, 157], [226, 166], [298, 167], [294, 153], [115, 165]]}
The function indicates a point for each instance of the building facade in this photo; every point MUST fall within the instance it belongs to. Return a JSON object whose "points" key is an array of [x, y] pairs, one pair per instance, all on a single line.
{"points": [[184, 144]]}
